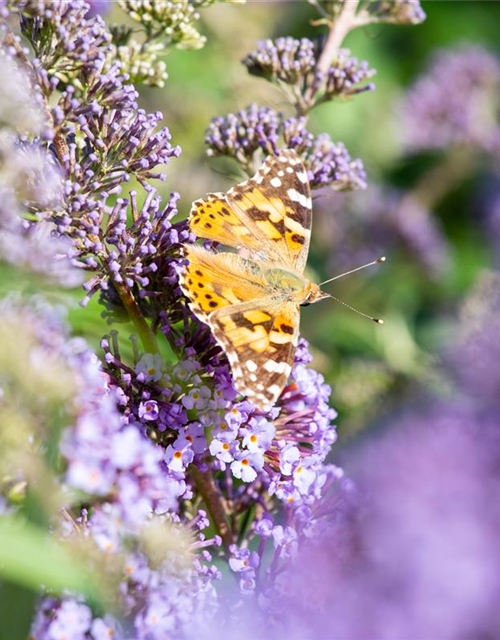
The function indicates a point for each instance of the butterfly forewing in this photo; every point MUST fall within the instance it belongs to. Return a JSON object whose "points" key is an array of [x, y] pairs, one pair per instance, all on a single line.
{"points": [[214, 219], [278, 200]]}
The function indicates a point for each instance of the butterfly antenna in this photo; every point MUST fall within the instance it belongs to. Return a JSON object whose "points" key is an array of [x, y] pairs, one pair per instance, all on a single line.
{"points": [[360, 313], [346, 273]]}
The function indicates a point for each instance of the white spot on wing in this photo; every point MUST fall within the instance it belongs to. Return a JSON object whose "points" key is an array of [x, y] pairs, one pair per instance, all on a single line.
{"points": [[276, 367], [276, 182], [251, 366], [294, 195], [274, 390]]}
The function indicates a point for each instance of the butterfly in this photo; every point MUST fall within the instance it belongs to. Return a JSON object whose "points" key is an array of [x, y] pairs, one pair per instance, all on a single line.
{"points": [[250, 298]]}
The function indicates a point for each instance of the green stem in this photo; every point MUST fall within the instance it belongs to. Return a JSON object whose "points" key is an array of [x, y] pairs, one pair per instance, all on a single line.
{"points": [[441, 179], [144, 332]]}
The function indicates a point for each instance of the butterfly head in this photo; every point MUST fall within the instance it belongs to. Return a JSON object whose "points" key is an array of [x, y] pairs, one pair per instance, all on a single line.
{"points": [[313, 294]]}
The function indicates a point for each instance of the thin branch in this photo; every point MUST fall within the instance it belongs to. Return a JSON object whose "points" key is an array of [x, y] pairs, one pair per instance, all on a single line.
{"points": [[345, 22], [442, 178], [213, 500], [338, 30]]}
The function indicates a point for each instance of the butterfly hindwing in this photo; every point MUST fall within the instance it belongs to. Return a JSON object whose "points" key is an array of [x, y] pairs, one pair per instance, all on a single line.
{"points": [[260, 344]]}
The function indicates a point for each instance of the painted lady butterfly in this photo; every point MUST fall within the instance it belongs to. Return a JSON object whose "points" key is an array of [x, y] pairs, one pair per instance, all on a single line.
{"points": [[251, 299]]}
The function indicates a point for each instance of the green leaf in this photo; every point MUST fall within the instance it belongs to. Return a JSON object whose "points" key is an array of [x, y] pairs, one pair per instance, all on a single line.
{"points": [[17, 608], [29, 557]]}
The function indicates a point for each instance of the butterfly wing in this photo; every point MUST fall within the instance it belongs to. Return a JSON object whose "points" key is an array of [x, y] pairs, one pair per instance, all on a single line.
{"points": [[260, 342], [278, 200], [214, 280], [213, 218], [270, 213], [257, 331]]}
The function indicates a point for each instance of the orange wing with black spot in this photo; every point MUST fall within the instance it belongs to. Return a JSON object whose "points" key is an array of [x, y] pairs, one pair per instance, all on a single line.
{"points": [[269, 214], [278, 202], [213, 218], [214, 280]]}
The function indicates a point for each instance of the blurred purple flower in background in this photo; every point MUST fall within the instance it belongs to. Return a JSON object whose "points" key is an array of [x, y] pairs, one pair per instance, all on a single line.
{"points": [[455, 103], [418, 555]]}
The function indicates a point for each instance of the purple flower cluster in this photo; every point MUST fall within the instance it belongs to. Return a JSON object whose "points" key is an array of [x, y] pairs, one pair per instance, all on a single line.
{"points": [[397, 11], [346, 77], [240, 135], [66, 39], [162, 565], [255, 128], [293, 64], [192, 410], [29, 181], [328, 163], [142, 255], [165, 581], [285, 60], [455, 102], [108, 454], [101, 139]]}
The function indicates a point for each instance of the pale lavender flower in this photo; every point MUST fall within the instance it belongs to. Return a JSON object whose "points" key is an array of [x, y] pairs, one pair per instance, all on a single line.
{"points": [[21, 107], [240, 135], [72, 619], [456, 102], [293, 64]]}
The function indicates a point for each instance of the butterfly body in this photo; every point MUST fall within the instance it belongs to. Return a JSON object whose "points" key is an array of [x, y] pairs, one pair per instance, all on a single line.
{"points": [[251, 299]]}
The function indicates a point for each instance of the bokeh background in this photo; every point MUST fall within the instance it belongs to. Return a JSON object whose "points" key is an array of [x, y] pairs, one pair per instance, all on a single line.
{"points": [[429, 210], [421, 391]]}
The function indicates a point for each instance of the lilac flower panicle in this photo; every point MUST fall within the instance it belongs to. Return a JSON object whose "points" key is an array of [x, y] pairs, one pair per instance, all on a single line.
{"points": [[327, 162], [398, 11], [286, 60], [347, 76], [292, 62], [240, 135], [455, 102]]}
